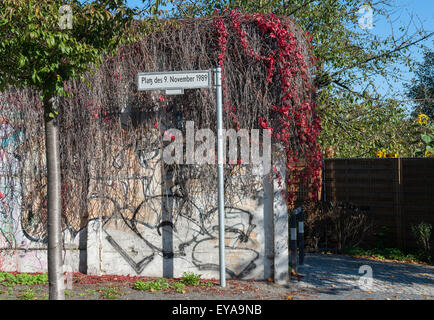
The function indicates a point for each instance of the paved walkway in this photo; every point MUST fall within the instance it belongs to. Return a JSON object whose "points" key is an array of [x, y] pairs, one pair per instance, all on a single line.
{"points": [[342, 277]]}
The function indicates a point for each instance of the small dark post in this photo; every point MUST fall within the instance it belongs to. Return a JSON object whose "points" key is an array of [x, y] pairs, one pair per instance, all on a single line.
{"points": [[300, 237], [293, 229]]}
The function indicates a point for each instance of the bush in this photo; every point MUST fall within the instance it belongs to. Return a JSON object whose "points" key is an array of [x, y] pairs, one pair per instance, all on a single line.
{"points": [[422, 233], [335, 225]]}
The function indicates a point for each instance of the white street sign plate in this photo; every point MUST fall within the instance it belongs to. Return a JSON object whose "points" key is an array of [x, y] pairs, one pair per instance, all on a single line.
{"points": [[174, 80]]}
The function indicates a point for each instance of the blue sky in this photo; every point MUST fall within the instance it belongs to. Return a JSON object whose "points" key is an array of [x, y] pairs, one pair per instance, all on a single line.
{"points": [[405, 13], [422, 12]]}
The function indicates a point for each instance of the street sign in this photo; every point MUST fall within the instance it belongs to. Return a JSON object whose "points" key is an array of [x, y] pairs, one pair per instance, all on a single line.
{"points": [[174, 80]]}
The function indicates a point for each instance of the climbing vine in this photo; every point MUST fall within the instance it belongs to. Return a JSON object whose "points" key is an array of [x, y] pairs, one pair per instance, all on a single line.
{"points": [[292, 121], [111, 134]]}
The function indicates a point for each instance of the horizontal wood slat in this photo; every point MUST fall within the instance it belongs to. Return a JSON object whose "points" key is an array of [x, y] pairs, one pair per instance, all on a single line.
{"points": [[399, 192]]}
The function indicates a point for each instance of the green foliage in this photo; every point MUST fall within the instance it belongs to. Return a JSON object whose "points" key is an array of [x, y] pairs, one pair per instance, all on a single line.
{"points": [[143, 286], [27, 295], [382, 235], [111, 293], [44, 296], [37, 51], [207, 283], [422, 87], [348, 54], [356, 128], [162, 284], [91, 292], [156, 285], [422, 234], [426, 131], [190, 279], [355, 120], [10, 280], [383, 254], [178, 287]]}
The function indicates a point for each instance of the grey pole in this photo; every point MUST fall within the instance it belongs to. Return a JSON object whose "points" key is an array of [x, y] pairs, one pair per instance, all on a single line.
{"points": [[300, 237], [293, 229], [221, 193]]}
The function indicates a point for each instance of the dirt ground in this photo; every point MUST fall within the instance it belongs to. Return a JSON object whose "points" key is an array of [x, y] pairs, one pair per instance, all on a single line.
{"points": [[109, 288], [322, 277]]}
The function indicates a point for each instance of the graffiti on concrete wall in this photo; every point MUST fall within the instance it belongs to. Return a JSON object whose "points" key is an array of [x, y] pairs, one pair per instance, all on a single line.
{"points": [[149, 203], [145, 212], [13, 234], [10, 191]]}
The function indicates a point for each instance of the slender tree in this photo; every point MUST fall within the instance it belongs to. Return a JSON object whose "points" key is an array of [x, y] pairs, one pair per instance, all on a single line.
{"points": [[44, 43]]}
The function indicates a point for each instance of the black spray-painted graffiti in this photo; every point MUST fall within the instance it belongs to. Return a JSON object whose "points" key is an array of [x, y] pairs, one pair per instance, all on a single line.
{"points": [[137, 198], [149, 219]]}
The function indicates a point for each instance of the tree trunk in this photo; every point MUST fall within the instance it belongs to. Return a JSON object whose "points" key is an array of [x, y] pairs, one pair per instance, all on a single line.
{"points": [[52, 152]]}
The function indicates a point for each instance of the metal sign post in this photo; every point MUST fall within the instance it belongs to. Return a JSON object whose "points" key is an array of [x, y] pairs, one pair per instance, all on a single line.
{"points": [[221, 186], [174, 82]]}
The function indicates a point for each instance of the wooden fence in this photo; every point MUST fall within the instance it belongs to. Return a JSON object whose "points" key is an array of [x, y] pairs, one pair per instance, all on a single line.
{"points": [[399, 193]]}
